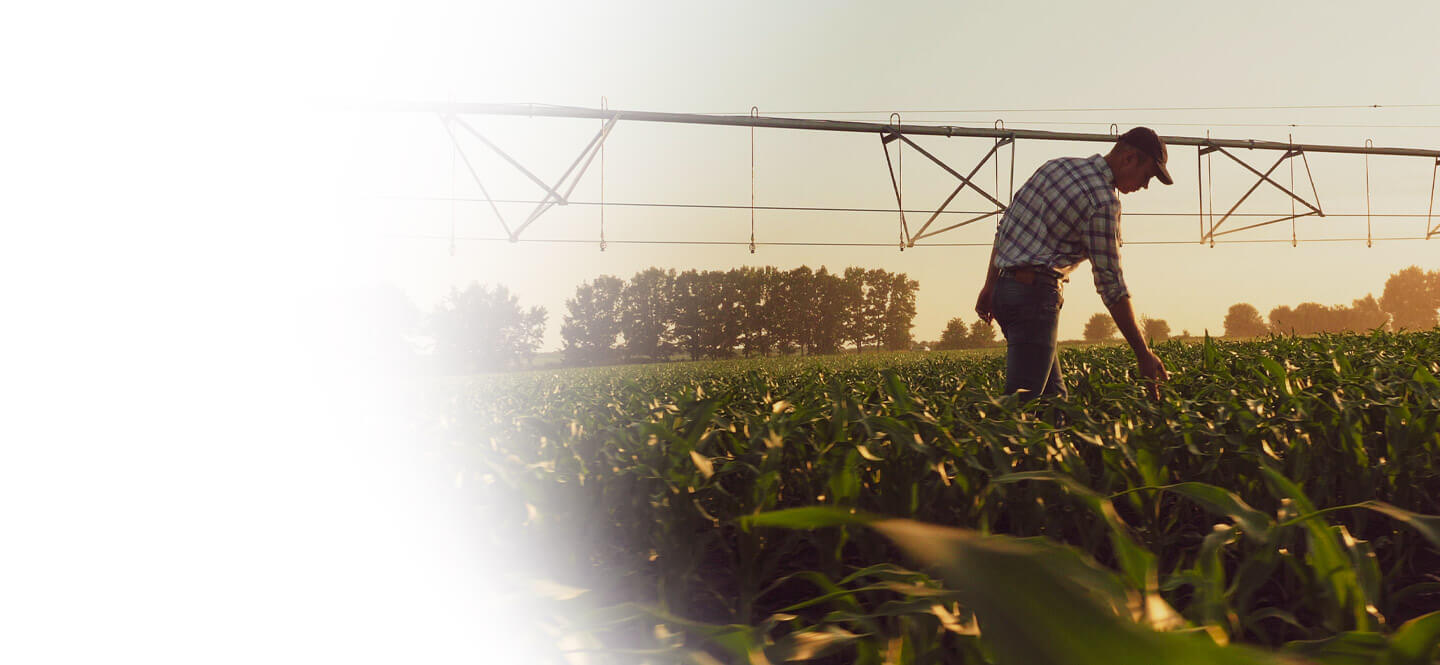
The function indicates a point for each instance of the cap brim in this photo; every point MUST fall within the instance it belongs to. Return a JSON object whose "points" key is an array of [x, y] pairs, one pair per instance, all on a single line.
{"points": [[1164, 174]]}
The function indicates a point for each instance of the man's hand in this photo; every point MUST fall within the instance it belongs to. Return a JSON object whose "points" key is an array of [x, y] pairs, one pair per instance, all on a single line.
{"points": [[983, 304], [1152, 371]]}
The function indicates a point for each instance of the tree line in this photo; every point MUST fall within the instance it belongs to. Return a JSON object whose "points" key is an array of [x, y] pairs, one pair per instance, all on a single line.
{"points": [[958, 335], [1410, 301], [658, 314], [746, 311], [1099, 328]]}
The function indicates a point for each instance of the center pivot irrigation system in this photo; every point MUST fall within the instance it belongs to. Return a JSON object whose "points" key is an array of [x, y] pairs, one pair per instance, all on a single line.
{"points": [[894, 132]]}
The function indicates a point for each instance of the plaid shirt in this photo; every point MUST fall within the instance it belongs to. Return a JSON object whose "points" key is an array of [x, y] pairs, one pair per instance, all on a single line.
{"points": [[1065, 213]]}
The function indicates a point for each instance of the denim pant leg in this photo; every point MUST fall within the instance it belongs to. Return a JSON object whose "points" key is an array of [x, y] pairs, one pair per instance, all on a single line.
{"points": [[1029, 317], [1055, 382]]}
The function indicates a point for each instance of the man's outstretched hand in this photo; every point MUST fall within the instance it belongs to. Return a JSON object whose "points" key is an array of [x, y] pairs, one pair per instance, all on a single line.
{"points": [[1153, 372], [983, 305]]}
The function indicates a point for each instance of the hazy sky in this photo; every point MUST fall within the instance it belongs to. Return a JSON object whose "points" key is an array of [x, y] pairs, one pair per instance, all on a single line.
{"points": [[813, 59]]}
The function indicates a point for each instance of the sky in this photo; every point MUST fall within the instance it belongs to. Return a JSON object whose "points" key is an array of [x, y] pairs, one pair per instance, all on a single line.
{"points": [[197, 472], [931, 62]]}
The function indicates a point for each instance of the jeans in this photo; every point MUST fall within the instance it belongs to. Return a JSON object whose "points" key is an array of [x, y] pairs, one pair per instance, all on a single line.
{"points": [[1029, 316]]}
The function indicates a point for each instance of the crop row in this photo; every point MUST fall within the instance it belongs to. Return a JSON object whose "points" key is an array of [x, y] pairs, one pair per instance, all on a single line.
{"points": [[1277, 493]]}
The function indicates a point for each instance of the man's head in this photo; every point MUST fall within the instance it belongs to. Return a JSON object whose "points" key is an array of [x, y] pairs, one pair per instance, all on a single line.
{"points": [[1138, 155]]}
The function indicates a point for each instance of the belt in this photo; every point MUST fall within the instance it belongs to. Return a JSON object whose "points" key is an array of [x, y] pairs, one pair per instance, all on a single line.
{"points": [[1029, 274]]}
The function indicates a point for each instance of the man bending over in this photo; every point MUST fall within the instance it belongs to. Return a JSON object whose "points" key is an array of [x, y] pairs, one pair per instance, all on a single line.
{"points": [[1067, 212]]}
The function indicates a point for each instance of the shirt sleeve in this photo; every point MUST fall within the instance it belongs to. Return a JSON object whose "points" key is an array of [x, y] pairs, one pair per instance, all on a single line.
{"points": [[1102, 239]]}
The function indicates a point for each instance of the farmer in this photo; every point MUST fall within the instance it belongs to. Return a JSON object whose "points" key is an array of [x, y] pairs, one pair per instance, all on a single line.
{"points": [[1067, 212]]}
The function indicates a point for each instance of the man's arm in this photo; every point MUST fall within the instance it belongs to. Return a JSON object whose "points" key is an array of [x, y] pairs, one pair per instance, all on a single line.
{"points": [[1103, 241], [1150, 366], [983, 305]]}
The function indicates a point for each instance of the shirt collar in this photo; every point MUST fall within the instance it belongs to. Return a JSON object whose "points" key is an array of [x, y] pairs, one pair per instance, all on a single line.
{"points": [[1098, 160]]}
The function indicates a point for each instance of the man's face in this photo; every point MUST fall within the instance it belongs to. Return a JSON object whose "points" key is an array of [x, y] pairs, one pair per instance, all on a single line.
{"points": [[1136, 170]]}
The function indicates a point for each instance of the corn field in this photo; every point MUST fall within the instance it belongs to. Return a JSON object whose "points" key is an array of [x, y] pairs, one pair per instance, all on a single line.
{"points": [[1278, 504]]}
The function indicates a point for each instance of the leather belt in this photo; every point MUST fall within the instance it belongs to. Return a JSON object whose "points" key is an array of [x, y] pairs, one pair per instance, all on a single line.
{"points": [[1027, 275]]}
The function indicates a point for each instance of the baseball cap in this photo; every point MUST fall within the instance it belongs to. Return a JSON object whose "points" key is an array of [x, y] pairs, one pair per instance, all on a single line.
{"points": [[1145, 140]]}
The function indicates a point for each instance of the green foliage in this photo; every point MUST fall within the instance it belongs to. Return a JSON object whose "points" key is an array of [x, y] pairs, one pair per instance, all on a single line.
{"points": [[1309, 318], [743, 311], [482, 329], [982, 333], [958, 336], [1412, 297], [1099, 328], [1243, 320], [1282, 492], [1154, 330], [592, 322]]}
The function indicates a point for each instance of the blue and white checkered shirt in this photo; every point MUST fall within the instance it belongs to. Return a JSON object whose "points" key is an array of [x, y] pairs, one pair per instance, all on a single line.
{"points": [[1065, 213]]}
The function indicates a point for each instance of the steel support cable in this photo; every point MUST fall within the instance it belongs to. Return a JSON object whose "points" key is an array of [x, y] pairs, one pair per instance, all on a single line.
{"points": [[900, 182], [1210, 176], [1200, 196], [1136, 108], [1432, 231], [754, 113], [1010, 200], [604, 104], [999, 124], [1150, 121], [455, 141], [553, 111], [1311, 176], [575, 241], [1368, 143], [888, 211], [1293, 241], [1119, 234]]}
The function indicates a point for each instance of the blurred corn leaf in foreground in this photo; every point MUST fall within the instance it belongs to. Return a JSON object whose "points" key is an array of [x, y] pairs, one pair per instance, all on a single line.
{"points": [[1036, 601], [1041, 602]]}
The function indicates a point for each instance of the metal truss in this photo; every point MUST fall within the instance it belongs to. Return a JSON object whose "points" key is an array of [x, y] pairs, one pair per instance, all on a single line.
{"points": [[552, 193], [895, 132], [1429, 213], [1314, 209], [907, 239]]}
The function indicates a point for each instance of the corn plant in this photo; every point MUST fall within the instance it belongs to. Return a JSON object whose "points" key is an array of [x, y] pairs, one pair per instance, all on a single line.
{"points": [[1280, 494]]}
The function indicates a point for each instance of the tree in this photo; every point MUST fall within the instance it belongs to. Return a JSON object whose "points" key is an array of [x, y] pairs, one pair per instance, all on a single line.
{"points": [[647, 314], [899, 315], [792, 307], [1099, 328], [1282, 320], [982, 333], [1155, 330], [689, 315], [592, 322], [481, 329], [1243, 320], [852, 302], [877, 298], [749, 312], [1412, 298], [828, 311], [954, 336], [1310, 318], [722, 296], [769, 283], [1365, 314]]}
